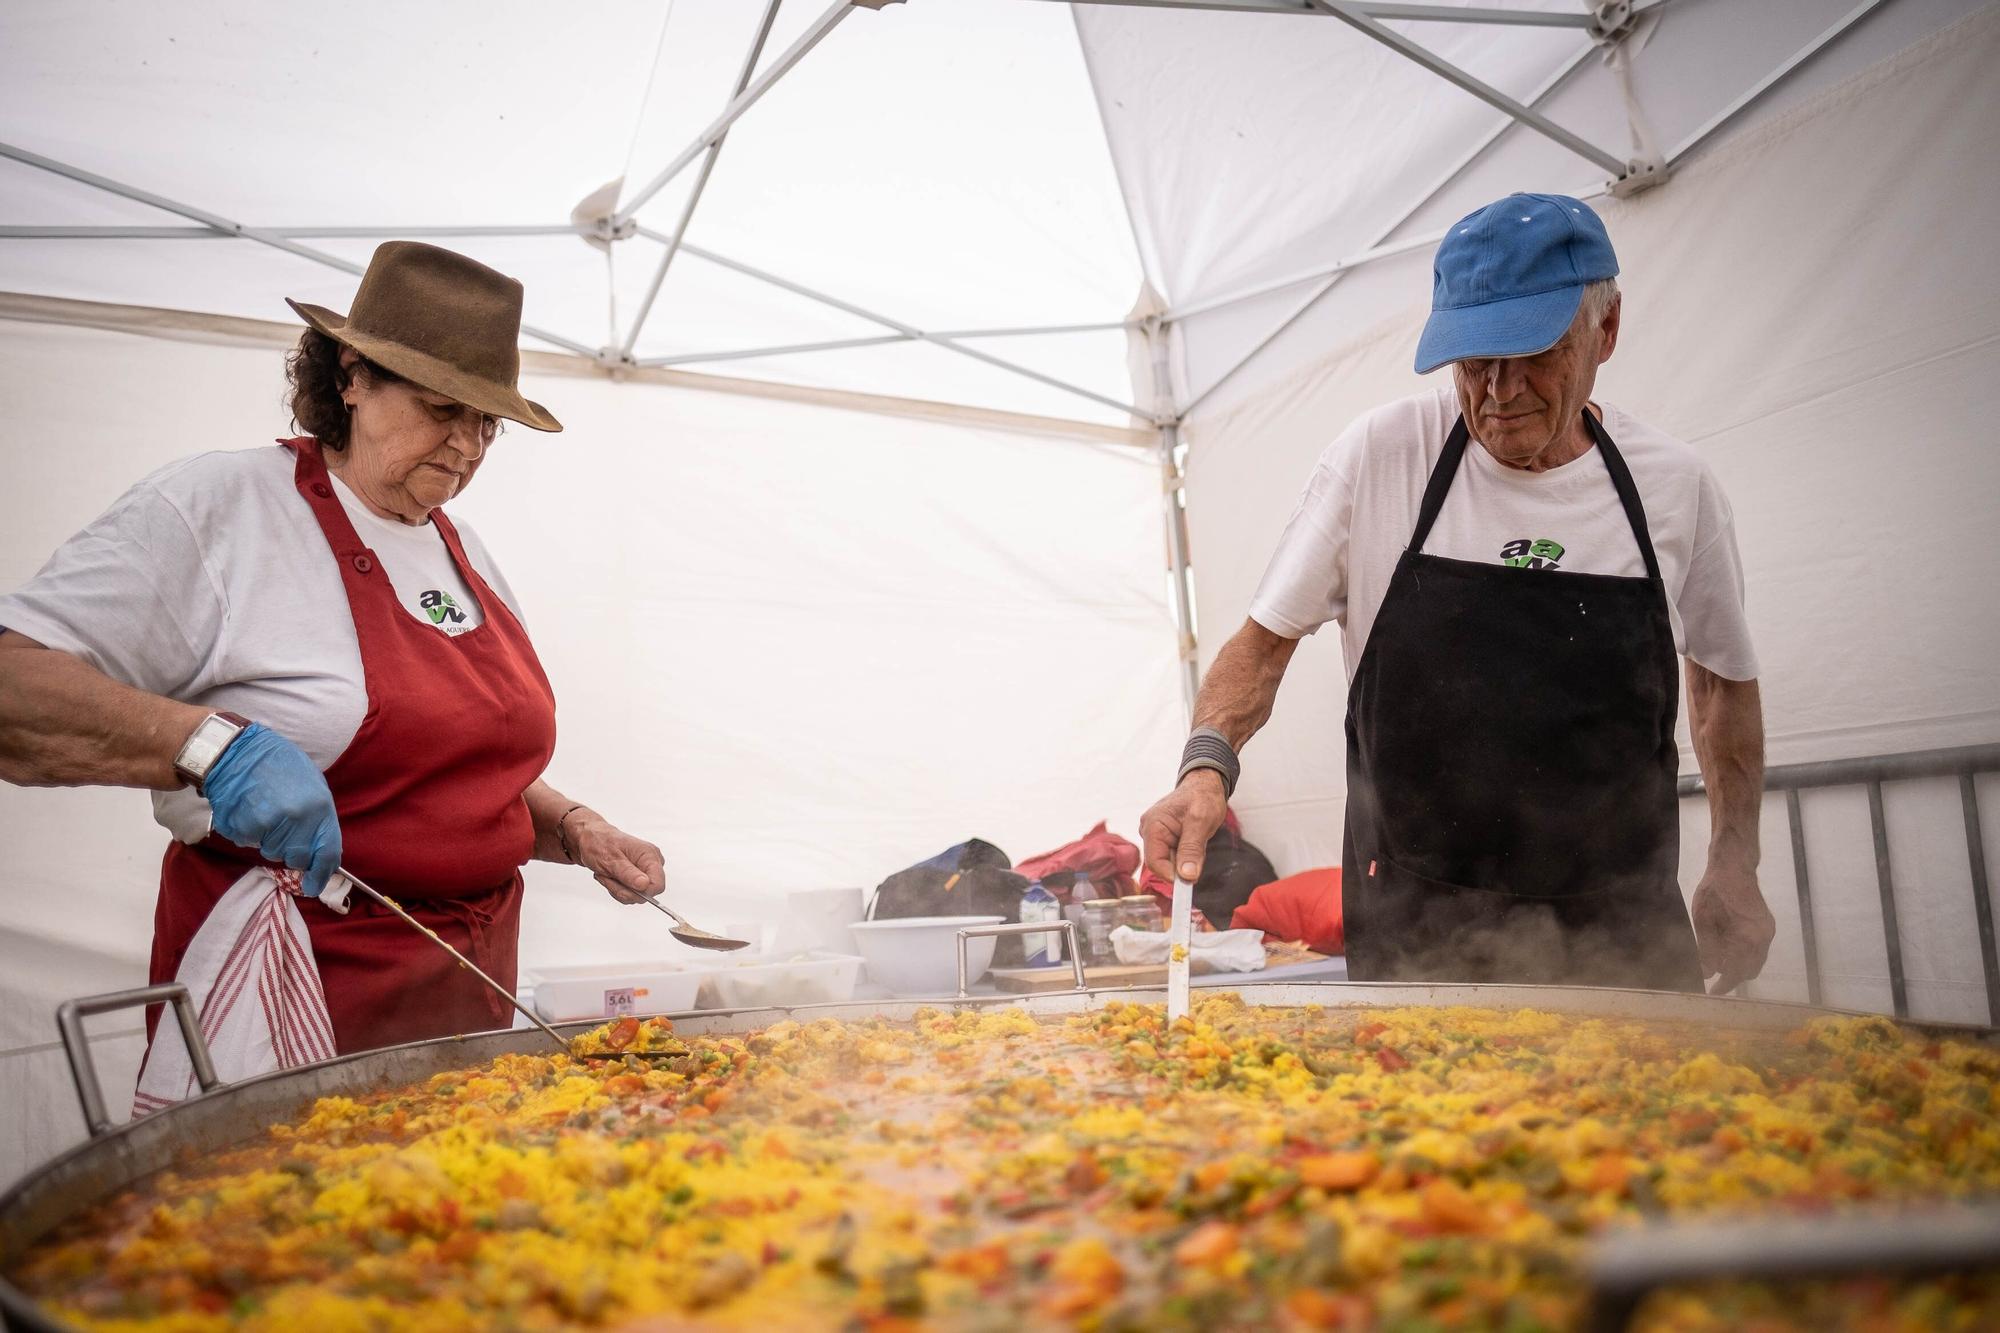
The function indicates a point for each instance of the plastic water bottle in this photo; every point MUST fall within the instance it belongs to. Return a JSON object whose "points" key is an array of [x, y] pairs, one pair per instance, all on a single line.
{"points": [[1038, 904]]}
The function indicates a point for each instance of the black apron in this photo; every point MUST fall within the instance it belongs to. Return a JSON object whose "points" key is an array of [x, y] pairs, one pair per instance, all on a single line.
{"points": [[1511, 814]]}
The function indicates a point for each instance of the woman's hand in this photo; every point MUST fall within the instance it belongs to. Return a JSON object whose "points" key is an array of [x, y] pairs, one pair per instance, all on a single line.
{"points": [[264, 792], [630, 869]]}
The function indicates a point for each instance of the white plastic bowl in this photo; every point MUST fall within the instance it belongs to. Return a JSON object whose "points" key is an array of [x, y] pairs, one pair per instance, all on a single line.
{"points": [[917, 956]]}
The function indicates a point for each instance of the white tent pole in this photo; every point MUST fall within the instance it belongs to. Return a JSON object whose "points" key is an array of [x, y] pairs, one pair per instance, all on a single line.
{"points": [[225, 227], [1539, 18], [742, 102], [1347, 12], [1686, 146], [1771, 80], [908, 330], [35, 232], [144, 233], [213, 221], [1173, 494], [1329, 278], [1359, 258], [1104, 327], [751, 353], [841, 344], [700, 183]]}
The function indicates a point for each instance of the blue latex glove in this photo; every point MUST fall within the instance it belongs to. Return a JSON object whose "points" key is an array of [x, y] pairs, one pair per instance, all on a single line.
{"points": [[264, 792]]}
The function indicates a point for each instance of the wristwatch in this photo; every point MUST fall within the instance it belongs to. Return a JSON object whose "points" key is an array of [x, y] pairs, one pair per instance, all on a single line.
{"points": [[202, 748]]}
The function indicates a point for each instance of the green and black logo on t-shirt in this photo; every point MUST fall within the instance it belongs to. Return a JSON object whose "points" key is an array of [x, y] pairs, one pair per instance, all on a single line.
{"points": [[440, 607], [1538, 553]]}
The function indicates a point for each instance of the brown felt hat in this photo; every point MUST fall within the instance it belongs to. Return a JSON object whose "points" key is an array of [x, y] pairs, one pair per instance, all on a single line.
{"points": [[444, 322]]}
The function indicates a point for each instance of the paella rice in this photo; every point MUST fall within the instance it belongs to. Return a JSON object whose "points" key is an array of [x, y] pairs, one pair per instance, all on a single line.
{"points": [[1290, 1168]]}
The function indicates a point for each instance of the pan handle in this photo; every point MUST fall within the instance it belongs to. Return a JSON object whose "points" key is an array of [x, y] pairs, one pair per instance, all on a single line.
{"points": [[69, 1022], [1067, 927], [1627, 1265]]}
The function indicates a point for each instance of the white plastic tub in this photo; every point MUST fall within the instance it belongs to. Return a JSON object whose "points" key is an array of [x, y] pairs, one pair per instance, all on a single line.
{"points": [[755, 981], [917, 956], [610, 990]]}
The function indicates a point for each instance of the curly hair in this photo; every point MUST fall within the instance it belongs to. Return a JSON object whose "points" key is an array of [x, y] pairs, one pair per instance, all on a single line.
{"points": [[317, 379]]}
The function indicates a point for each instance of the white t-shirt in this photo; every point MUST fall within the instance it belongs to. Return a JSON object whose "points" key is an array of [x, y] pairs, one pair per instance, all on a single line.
{"points": [[418, 563], [1359, 511], [210, 582]]}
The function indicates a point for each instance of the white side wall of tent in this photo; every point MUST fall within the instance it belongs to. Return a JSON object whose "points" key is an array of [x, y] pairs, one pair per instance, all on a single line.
{"points": [[902, 578]]}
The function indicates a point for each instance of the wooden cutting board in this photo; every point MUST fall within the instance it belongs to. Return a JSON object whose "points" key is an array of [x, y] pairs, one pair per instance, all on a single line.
{"points": [[1036, 980], [1040, 980]]}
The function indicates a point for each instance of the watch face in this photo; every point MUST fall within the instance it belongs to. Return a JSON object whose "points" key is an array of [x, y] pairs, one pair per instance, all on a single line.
{"points": [[207, 742], [202, 748]]}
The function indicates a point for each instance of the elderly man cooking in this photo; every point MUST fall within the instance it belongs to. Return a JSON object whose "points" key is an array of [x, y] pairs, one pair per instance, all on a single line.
{"points": [[1514, 567]]}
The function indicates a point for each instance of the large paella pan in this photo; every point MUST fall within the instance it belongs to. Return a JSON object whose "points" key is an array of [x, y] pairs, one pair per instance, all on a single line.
{"points": [[1419, 1158]]}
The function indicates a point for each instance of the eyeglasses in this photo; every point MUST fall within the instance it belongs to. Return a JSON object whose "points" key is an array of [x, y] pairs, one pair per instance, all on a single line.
{"points": [[487, 426]]}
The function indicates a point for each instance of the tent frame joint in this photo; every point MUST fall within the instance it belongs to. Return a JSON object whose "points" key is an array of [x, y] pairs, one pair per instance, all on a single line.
{"points": [[614, 361], [1612, 21], [1638, 177]]}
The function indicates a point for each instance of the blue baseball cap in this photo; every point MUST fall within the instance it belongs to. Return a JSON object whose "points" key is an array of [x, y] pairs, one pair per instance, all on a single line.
{"points": [[1508, 279]]}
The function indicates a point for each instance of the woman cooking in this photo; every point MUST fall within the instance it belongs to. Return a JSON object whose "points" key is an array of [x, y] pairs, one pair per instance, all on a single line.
{"points": [[312, 667]]}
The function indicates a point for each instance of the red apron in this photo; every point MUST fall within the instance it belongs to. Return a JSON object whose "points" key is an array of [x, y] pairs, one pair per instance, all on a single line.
{"points": [[430, 798]]}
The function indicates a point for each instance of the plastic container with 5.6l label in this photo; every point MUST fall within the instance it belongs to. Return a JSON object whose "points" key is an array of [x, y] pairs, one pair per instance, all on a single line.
{"points": [[611, 990]]}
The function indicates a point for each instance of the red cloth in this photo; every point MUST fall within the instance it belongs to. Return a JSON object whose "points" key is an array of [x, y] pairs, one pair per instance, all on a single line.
{"points": [[1108, 859], [1303, 907], [430, 794]]}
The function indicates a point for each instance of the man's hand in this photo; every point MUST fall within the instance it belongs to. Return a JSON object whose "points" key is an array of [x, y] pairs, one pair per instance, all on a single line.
{"points": [[1175, 832], [630, 869], [1732, 926]]}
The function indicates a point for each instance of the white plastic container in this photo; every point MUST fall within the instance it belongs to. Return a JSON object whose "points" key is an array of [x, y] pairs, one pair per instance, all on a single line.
{"points": [[917, 956], [611, 990], [755, 981], [818, 919]]}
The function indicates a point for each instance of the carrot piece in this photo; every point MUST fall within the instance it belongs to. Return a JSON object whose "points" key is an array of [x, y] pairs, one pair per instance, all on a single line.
{"points": [[1209, 1243], [1340, 1170]]}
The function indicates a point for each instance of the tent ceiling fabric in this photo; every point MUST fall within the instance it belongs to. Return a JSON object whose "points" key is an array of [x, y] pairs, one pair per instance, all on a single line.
{"points": [[978, 164], [941, 165], [1256, 147]]}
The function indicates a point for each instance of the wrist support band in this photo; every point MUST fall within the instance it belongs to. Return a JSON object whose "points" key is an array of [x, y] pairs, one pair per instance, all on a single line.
{"points": [[1209, 748]]}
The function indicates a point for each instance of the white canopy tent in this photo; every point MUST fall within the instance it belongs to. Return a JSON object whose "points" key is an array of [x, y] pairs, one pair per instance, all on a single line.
{"points": [[881, 332]]}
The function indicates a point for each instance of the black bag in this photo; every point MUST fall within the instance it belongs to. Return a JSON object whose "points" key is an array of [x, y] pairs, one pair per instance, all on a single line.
{"points": [[1230, 871], [972, 879]]}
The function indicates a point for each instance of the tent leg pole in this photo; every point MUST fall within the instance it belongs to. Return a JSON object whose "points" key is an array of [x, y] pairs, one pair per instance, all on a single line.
{"points": [[1173, 498]]}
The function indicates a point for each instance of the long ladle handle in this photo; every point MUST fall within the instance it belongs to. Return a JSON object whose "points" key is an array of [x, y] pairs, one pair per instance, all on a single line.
{"points": [[463, 961], [679, 920]]}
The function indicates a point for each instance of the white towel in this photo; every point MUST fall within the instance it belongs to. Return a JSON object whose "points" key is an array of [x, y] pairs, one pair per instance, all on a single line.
{"points": [[1209, 950], [251, 974]]}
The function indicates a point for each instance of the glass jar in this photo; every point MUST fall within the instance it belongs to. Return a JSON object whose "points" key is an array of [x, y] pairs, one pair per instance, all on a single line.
{"points": [[1141, 911], [1100, 917]]}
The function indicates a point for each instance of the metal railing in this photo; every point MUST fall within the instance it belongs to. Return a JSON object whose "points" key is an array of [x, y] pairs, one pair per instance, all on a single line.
{"points": [[1965, 763]]}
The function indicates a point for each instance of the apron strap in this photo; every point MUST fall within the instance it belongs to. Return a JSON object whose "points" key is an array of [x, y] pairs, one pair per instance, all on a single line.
{"points": [[1440, 484], [1446, 469], [1628, 493]]}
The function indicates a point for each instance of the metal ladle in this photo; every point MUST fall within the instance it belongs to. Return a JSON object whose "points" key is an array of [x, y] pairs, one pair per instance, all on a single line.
{"points": [[561, 1042], [695, 935]]}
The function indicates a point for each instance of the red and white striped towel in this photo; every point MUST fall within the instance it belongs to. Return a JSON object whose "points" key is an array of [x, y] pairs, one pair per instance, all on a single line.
{"points": [[251, 974]]}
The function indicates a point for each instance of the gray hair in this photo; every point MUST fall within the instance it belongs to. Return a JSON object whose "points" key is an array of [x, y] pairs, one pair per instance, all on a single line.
{"points": [[1597, 299]]}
